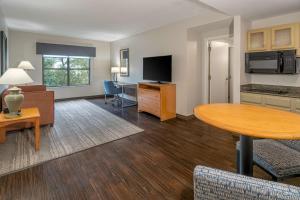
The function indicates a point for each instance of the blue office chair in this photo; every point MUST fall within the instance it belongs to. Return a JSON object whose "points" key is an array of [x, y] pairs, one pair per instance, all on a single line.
{"points": [[111, 89]]}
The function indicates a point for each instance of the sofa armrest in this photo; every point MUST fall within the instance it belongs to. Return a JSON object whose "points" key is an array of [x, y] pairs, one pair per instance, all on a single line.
{"points": [[212, 184]]}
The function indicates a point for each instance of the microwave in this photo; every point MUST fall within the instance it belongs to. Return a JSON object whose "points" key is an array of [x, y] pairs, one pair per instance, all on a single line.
{"points": [[272, 62]]}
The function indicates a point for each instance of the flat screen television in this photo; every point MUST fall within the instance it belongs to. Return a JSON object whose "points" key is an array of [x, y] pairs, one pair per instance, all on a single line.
{"points": [[158, 68]]}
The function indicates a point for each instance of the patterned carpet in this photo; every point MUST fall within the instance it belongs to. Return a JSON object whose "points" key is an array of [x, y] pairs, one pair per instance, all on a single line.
{"points": [[79, 125]]}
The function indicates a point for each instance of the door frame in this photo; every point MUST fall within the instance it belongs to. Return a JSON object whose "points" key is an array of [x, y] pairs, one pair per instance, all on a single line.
{"points": [[206, 72]]}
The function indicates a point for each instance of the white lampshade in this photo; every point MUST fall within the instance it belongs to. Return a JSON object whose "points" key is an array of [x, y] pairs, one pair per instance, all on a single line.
{"points": [[26, 65], [124, 70], [15, 76], [115, 70]]}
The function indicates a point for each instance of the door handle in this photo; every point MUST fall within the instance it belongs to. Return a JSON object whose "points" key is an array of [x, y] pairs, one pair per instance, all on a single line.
{"points": [[228, 78]]}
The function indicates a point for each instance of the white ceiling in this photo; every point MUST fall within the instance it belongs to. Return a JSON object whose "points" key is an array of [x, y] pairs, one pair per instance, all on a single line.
{"points": [[254, 9], [106, 20]]}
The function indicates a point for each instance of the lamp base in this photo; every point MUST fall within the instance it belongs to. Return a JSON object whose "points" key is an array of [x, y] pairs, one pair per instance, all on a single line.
{"points": [[13, 102]]}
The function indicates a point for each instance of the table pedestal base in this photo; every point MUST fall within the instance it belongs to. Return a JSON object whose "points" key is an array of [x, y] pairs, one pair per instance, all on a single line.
{"points": [[246, 156]]}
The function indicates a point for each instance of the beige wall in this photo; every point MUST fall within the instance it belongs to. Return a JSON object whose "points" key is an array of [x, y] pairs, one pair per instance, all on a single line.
{"points": [[203, 36], [238, 62], [288, 80], [280, 19], [22, 46], [171, 39], [3, 26]]}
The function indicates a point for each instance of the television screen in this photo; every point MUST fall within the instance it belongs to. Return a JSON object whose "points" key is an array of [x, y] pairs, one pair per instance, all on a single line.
{"points": [[158, 68]]}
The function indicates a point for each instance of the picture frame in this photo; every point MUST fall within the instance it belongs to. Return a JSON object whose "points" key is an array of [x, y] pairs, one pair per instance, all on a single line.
{"points": [[3, 52], [124, 62]]}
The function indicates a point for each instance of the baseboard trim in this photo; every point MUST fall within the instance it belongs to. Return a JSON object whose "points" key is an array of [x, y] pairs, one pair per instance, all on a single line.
{"points": [[82, 97], [183, 117]]}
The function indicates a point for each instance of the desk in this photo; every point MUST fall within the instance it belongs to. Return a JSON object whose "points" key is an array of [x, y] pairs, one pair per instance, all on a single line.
{"points": [[123, 85], [31, 115], [250, 121]]}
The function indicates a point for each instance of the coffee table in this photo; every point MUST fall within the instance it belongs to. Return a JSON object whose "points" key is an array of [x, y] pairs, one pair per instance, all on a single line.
{"points": [[31, 115]]}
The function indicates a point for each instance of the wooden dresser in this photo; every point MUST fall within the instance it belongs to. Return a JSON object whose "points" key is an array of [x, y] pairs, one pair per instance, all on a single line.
{"points": [[157, 99]]}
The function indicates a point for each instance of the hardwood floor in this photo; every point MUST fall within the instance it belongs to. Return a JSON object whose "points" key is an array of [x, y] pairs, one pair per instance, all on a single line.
{"points": [[155, 164]]}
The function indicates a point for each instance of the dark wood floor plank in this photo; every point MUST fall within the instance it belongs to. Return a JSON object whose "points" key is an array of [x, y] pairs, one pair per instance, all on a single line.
{"points": [[155, 164]]}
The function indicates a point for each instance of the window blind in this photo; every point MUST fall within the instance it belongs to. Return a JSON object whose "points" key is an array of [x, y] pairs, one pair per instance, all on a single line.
{"points": [[64, 50]]}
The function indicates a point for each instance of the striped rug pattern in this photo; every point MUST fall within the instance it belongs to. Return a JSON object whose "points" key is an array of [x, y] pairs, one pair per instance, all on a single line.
{"points": [[79, 125]]}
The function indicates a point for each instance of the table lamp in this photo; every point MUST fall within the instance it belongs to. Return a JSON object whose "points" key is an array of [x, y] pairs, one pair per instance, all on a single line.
{"points": [[13, 100], [26, 65], [115, 71], [124, 70]]}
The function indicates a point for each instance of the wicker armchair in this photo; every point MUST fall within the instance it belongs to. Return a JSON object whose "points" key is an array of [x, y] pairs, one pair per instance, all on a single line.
{"points": [[214, 184]]}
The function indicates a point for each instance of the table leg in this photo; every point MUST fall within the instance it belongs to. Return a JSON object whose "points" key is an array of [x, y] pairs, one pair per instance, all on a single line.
{"points": [[37, 134], [246, 155], [2, 135]]}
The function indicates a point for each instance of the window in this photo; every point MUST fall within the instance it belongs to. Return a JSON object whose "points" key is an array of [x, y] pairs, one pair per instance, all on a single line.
{"points": [[66, 71]]}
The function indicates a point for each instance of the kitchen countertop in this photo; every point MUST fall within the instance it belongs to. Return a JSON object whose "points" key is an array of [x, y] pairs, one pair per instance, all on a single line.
{"points": [[275, 90]]}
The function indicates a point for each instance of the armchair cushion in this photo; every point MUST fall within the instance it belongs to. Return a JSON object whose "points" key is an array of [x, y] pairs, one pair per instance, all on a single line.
{"points": [[280, 158], [213, 184]]}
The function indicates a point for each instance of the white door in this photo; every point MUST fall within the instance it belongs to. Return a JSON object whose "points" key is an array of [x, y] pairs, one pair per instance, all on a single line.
{"points": [[219, 72]]}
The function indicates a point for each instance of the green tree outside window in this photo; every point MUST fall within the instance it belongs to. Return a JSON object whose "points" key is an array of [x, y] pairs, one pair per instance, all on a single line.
{"points": [[66, 71]]}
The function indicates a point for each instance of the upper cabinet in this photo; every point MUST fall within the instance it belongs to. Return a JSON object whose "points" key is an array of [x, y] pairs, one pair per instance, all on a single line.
{"points": [[284, 37], [274, 38], [259, 40]]}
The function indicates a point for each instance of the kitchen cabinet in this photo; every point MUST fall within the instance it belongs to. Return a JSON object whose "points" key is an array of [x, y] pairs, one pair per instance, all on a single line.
{"points": [[250, 98], [281, 37], [296, 106], [259, 40], [284, 36], [278, 102]]}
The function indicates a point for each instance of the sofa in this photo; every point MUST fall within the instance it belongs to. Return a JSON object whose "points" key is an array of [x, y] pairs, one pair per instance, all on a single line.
{"points": [[214, 184], [36, 96]]}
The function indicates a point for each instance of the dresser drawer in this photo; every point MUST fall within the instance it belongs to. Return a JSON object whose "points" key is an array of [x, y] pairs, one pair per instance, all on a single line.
{"points": [[157, 99], [149, 105], [147, 93]]}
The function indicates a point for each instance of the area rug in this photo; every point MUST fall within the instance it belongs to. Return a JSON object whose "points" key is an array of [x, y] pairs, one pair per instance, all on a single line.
{"points": [[79, 125]]}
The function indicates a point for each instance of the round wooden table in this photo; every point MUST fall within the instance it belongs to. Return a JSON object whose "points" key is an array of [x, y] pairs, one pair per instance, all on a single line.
{"points": [[250, 121]]}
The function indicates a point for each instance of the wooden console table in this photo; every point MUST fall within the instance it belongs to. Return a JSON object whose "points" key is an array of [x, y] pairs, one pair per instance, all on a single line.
{"points": [[157, 99], [30, 115]]}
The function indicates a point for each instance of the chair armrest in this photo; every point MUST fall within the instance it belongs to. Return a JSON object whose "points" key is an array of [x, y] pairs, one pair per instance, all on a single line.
{"points": [[214, 184]]}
